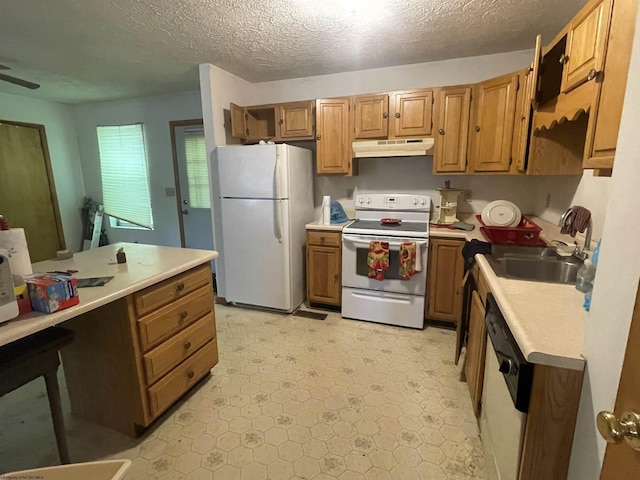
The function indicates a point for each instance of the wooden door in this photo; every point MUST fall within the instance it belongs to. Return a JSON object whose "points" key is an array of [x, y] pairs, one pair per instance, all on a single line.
{"points": [[333, 145], [453, 105], [620, 460], [27, 191], [296, 121], [586, 42], [239, 121], [494, 107], [371, 116], [411, 113], [323, 275], [476, 348], [445, 276]]}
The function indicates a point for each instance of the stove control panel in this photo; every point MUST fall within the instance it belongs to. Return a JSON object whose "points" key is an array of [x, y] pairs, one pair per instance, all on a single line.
{"points": [[400, 201]]}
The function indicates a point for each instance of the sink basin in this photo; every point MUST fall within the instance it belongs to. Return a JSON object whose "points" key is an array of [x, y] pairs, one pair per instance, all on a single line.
{"points": [[541, 264]]}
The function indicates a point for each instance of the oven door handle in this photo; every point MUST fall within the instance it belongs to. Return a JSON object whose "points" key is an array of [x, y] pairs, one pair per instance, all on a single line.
{"points": [[386, 297], [365, 241]]}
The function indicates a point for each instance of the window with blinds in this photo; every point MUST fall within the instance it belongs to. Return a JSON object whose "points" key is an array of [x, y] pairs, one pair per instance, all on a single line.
{"points": [[125, 174], [197, 171]]}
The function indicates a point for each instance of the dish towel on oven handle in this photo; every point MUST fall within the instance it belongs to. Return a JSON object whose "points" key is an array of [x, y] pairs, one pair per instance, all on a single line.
{"points": [[409, 260], [378, 259]]}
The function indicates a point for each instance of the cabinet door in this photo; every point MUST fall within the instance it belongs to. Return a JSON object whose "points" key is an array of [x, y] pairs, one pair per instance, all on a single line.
{"points": [[411, 114], [445, 277], [522, 125], [452, 119], [584, 56], [475, 356], [333, 146], [296, 121], [371, 116], [494, 107], [239, 122], [324, 275]]}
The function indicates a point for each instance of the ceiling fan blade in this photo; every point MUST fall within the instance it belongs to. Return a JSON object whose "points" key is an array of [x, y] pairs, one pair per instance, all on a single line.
{"points": [[19, 81]]}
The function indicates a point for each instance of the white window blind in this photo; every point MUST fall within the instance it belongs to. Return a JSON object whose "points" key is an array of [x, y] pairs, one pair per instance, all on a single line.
{"points": [[197, 171], [125, 174]]}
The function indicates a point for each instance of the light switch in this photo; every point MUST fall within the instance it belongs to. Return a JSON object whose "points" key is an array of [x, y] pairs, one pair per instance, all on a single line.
{"points": [[170, 191]]}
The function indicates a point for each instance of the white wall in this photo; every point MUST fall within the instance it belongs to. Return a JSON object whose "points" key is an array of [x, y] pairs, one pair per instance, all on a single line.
{"points": [[615, 287], [155, 113], [60, 129]]}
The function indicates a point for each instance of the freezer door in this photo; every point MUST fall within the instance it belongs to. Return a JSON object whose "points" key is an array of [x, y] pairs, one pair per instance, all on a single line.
{"points": [[253, 171], [256, 252]]}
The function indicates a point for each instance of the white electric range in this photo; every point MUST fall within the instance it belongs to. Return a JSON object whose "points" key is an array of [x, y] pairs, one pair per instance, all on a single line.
{"points": [[392, 300]]}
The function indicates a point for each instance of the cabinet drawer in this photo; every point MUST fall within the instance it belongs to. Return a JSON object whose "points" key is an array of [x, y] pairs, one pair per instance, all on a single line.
{"points": [[168, 320], [325, 239], [171, 289], [169, 388], [179, 347]]}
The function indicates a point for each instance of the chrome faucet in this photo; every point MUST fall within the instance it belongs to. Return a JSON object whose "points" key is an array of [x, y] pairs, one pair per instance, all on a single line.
{"points": [[578, 252]]}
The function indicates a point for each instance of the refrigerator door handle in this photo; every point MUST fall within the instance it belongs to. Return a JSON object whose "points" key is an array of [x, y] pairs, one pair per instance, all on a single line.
{"points": [[276, 181], [278, 220]]}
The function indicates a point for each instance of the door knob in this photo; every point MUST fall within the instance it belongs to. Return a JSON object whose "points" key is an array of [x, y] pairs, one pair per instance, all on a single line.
{"points": [[185, 212], [592, 74], [614, 430]]}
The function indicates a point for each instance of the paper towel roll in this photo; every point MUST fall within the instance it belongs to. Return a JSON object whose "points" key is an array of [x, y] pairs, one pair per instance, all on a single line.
{"points": [[326, 210], [14, 241]]}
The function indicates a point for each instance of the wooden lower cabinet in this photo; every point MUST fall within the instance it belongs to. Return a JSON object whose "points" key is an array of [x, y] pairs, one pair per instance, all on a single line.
{"points": [[476, 348], [324, 267], [132, 358], [444, 287]]}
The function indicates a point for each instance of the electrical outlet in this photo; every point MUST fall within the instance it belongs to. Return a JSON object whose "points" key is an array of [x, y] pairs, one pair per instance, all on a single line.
{"points": [[350, 193], [547, 201], [170, 191]]}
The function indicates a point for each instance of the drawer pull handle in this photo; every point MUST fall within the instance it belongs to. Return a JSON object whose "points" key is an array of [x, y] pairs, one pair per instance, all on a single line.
{"points": [[183, 315], [180, 287], [187, 345], [191, 374]]}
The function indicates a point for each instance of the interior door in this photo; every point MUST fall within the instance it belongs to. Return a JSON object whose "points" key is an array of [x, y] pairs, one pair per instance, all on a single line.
{"points": [[27, 190], [196, 229], [620, 460]]}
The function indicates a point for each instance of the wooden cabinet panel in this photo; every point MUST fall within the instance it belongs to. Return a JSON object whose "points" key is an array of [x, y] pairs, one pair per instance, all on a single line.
{"points": [[324, 268], [163, 358], [296, 121], [445, 276], [476, 348], [493, 116], [607, 111], [371, 116], [184, 376], [333, 142], [238, 122], [172, 289], [453, 106], [586, 44], [523, 118], [161, 324], [411, 113]]}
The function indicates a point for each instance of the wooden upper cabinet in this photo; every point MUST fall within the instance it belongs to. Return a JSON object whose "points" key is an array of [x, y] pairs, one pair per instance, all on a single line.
{"points": [[586, 43], [453, 105], [523, 117], [370, 116], [333, 141], [238, 122], [411, 113], [493, 114], [296, 121]]}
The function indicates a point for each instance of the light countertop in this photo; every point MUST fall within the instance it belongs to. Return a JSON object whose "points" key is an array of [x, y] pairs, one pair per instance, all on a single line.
{"points": [[146, 265], [546, 319], [317, 225]]}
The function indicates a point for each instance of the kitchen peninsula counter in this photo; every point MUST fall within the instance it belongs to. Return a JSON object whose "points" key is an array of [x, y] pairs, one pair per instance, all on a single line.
{"points": [[140, 341], [546, 319]]}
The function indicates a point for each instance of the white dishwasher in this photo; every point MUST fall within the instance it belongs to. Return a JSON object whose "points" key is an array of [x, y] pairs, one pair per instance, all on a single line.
{"points": [[505, 398]]}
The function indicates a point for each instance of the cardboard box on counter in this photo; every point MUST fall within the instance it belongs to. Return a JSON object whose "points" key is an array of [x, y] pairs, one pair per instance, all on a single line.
{"points": [[50, 292]]}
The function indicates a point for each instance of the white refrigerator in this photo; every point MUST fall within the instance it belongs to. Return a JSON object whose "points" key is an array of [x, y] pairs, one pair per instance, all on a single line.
{"points": [[265, 195]]}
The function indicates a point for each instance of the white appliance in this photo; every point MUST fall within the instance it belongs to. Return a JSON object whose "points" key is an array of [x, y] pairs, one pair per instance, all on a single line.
{"points": [[406, 147], [265, 201], [8, 304], [393, 300]]}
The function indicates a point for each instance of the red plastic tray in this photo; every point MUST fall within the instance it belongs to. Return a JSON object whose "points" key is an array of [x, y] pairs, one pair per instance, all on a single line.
{"points": [[525, 233]]}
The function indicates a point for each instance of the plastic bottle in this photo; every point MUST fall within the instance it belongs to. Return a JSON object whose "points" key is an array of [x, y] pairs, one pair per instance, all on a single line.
{"points": [[585, 276]]}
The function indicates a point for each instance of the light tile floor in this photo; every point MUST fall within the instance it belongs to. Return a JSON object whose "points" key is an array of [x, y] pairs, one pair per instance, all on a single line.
{"points": [[292, 398]]}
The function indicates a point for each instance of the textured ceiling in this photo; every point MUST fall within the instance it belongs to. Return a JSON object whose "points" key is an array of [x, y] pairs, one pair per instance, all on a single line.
{"points": [[90, 50]]}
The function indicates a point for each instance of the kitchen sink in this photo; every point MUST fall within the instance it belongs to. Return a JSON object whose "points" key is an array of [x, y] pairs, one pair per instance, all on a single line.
{"points": [[541, 264]]}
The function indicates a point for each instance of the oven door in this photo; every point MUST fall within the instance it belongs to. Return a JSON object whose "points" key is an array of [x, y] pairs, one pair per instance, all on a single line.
{"points": [[355, 270]]}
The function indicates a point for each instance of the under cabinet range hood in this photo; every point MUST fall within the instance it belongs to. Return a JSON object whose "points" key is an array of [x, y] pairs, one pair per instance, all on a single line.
{"points": [[392, 148]]}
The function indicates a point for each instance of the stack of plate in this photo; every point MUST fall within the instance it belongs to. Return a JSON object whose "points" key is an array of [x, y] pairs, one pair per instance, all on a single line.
{"points": [[501, 213]]}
